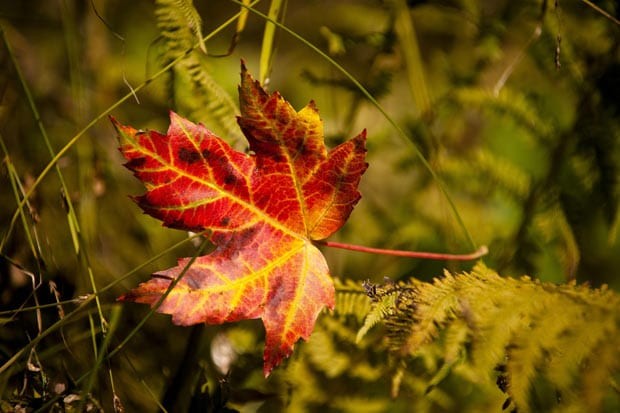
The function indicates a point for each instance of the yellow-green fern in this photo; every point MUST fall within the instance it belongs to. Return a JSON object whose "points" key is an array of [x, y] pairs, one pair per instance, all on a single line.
{"points": [[351, 299], [520, 333], [195, 91]]}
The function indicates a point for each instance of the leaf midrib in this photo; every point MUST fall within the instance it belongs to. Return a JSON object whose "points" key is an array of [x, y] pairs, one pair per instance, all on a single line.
{"points": [[289, 161]]}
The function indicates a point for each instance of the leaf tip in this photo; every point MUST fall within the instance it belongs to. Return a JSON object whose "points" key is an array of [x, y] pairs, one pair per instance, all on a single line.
{"points": [[272, 359], [312, 105], [249, 87], [174, 116], [128, 297], [361, 137], [244, 72]]}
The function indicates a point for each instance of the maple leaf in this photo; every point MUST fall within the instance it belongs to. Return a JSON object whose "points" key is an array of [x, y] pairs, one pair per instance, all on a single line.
{"points": [[262, 210]]}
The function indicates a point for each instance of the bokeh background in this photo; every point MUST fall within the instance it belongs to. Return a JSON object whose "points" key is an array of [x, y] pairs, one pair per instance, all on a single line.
{"points": [[513, 105]]}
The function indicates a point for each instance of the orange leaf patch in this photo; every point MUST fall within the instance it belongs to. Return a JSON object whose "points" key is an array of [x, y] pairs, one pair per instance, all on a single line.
{"points": [[262, 210]]}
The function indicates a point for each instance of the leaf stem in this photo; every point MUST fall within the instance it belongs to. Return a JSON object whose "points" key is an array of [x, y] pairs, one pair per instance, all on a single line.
{"points": [[483, 250]]}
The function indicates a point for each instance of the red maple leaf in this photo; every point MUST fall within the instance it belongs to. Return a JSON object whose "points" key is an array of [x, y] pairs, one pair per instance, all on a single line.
{"points": [[262, 210]]}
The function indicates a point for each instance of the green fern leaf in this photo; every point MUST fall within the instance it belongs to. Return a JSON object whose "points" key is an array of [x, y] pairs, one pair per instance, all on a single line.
{"points": [[169, 12], [525, 329], [487, 170], [510, 102], [351, 299], [381, 308], [200, 96]]}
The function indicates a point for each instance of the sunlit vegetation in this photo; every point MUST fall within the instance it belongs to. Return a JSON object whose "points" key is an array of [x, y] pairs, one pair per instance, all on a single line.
{"points": [[489, 123]]}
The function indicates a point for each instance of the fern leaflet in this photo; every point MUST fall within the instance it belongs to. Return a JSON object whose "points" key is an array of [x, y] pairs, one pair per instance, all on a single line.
{"points": [[517, 332]]}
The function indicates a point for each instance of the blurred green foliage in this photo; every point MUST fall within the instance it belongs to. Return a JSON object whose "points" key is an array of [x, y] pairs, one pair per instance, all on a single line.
{"points": [[514, 105]]}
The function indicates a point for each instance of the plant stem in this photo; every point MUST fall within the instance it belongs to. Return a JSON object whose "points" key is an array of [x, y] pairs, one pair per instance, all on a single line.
{"points": [[409, 254]]}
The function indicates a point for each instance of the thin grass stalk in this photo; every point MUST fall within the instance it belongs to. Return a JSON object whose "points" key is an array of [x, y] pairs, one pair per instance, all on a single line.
{"points": [[276, 11]]}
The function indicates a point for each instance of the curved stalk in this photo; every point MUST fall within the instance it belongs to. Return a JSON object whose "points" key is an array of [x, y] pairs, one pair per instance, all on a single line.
{"points": [[480, 252]]}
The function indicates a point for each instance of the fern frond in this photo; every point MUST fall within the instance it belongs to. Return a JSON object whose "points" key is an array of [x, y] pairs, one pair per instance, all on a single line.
{"points": [[381, 308], [526, 329], [304, 385], [456, 336], [167, 16], [331, 353], [511, 103], [351, 299], [176, 24], [324, 355], [361, 404], [384, 301], [488, 171], [554, 228], [202, 96]]}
